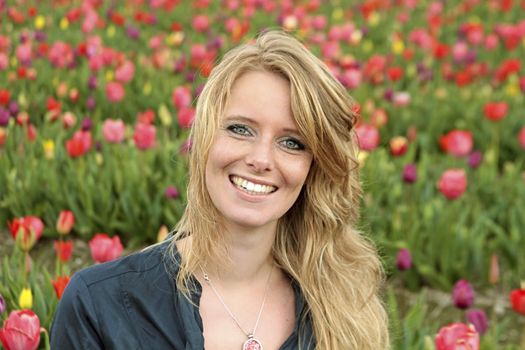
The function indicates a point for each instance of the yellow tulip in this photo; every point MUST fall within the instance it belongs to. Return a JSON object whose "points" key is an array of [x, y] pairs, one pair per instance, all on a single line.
{"points": [[398, 46], [147, 88], [110, 32], [64, 23], [338, 13], [25, 300], [368, 46], [374, 19], [40, 22], [163, 233], [512, 90], [49, 149], [109, 75]]}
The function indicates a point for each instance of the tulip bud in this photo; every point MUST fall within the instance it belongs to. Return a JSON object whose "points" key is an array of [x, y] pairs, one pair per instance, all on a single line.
{"points": [[171, 192], [65, 222], [25, 238], [404, 259], [25, 300], [494, 269], [410, 173], [3, 305], [163, 233], [478, 318], [463, 294]]}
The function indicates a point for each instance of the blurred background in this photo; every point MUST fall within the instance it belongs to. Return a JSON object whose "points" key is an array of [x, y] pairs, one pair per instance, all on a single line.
{"points": [[97, 98]]}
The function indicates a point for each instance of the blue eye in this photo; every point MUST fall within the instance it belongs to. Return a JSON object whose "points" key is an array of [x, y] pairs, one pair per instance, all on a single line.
{"points": [[292, 144], [239, 129]]}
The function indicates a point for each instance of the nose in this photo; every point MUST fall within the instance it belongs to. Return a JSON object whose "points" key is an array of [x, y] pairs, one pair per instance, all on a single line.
{"points": [[260, 157]]}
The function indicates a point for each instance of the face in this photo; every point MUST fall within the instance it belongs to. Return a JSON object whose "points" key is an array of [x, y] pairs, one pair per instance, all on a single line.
{"points": [[258, 161]]}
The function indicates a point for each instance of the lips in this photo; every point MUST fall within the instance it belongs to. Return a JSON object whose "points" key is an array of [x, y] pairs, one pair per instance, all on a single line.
{"points": [[252, 187]]}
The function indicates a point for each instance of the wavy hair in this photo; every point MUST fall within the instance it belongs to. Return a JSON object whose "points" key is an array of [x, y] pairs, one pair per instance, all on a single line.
{"points": [[316, 243]]}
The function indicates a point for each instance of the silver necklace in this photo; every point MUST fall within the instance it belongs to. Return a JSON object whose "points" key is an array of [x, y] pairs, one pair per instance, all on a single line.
{"points": [[251, 343]]}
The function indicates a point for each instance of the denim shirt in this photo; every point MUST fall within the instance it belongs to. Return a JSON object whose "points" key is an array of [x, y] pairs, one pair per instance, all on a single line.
{"points": [[133, 303]]}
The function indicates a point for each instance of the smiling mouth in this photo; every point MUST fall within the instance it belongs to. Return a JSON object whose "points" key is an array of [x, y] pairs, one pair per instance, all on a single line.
{"points": [[251, 187]]}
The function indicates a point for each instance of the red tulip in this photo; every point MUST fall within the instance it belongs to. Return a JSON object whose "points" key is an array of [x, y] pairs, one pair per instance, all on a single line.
{"points": [[496, 111], [26, 231], [64, 250], [457, 143], [21, 331], [457, 336], [60, 283], [453, 183], [517, 299], [114, 91], [103, 248], [144, 136], [5, 96], [181, 97], [79, 144], [398, 146], [368, 137], [185, 117], [200, 23], [65, 222], [521, 137]]}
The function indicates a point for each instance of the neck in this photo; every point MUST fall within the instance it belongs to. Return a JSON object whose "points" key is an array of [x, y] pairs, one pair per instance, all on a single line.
{"points": [[250, 254]]}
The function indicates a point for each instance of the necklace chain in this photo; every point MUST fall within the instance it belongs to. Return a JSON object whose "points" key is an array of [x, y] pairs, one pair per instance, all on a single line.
{"points": [[248, 334]]}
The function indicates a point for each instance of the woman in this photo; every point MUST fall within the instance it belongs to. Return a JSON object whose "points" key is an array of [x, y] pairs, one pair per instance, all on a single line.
{"points": [[266, 253]]}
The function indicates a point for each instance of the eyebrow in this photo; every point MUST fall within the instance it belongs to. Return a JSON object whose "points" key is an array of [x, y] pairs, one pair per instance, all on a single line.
{"points": [[250, 120]]}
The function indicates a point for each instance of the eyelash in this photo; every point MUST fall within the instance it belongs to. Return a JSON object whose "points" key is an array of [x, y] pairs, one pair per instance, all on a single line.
{"points": [[242, 130]]}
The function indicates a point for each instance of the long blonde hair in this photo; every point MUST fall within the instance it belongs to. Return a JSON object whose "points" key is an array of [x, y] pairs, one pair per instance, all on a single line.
{"points": [[316, 243]]}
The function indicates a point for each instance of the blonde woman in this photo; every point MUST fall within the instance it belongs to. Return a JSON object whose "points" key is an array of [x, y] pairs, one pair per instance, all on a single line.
{"points": [[266, 255]]}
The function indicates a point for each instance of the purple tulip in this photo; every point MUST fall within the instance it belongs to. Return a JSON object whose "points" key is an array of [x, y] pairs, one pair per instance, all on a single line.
{"points": [[171, 192], [13, 108], [4, 117], [91, 103], [474, 159], [133, 32], [40, 36], [86, 124], [3, 305], [410, 173], [403, 260], [92, 82], [479, 319], [389, 95], [463, 294]]}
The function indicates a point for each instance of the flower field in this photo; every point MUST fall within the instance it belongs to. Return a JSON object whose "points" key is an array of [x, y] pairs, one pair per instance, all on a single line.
{"points": [[97, 98]]}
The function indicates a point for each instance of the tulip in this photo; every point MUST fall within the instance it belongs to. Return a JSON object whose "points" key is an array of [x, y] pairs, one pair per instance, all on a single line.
{"points": [[103, 248], [163, 233], [63, 249], [453, 183], [457, 336], [410, 173], [474, 159], [368, 137], [171, 192], [494, 273], [3, 305], [200, 23], [517, 300], [521, 137], [60, 284], [113, 130], [185, 117], [181, 97], [463, 294], [79, 144], [65, 222], [478, 318], [144, 136], [26, 231], [496, 111], [398, 146], [21, 331], [404, 259], [114, 91], [125, 72], [25, 299], [457, 143]]}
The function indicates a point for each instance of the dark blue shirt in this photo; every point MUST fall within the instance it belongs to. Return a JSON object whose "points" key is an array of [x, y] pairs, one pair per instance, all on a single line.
{"points": [[133, 303]]}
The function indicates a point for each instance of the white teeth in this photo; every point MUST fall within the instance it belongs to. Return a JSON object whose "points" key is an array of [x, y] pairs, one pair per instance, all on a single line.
{"points": [[251, 187]]}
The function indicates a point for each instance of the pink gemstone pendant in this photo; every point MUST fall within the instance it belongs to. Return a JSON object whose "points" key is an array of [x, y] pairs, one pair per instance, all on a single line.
{"points": [[252, 344]]}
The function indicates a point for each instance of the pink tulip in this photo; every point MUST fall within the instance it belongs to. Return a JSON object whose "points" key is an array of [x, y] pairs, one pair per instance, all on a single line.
{"points": [[60, 54], [114, 91], [181, 97], [103, 248], [521, 137], [4, 61], [457, 336], [457, 143], [113, 130], [453, 183], [403, 259], [491, 42], [21, 331], [185, 117], [463, 294], [460, 51], [144, 136], [125, 72], [23, 52], [200, 23], [401, 99], [368, 137]]}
